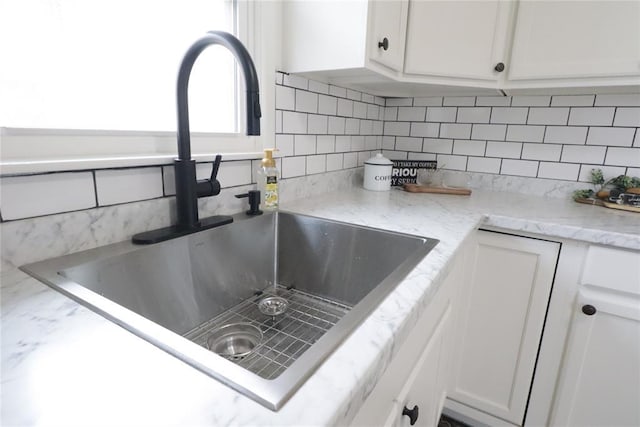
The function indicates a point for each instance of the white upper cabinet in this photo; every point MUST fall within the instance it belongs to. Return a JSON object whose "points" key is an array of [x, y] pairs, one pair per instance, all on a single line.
{"points": [[387, 29], [576, 40], [460, 39]]}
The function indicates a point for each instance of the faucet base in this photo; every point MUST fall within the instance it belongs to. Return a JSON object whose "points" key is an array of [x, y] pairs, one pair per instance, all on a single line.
{"points": [[167, 233]]}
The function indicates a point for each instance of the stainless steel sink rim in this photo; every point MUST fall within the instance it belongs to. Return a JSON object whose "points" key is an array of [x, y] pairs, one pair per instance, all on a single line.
{"points": [[270, 393]]}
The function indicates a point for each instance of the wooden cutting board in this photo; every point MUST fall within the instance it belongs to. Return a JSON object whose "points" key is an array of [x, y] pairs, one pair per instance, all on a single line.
{"points": [[415, 188]]}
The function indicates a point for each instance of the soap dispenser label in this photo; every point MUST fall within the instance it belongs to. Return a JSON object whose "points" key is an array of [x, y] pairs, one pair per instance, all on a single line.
{"points": [[271, 192]]}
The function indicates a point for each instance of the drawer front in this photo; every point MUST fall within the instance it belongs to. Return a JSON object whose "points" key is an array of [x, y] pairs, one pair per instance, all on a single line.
{"points": [[610, 268]]}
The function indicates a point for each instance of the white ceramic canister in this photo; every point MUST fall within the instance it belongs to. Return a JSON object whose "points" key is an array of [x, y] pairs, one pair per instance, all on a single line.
{"points": [[377, 173]]}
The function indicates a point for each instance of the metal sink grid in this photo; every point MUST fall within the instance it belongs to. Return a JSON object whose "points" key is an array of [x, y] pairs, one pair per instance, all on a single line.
{"points": [[285, 337]]}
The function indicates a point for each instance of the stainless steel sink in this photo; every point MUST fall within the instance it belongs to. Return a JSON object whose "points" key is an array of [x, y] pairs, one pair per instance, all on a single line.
{"points": [[183, 293]]}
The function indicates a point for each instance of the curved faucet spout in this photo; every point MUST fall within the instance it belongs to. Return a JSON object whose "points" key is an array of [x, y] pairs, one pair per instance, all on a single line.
{"points": [[251, 84]]}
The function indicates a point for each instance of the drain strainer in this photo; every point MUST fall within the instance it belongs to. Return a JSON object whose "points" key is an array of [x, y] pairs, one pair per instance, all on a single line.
{"points": [[235, 340], [273, 306]]}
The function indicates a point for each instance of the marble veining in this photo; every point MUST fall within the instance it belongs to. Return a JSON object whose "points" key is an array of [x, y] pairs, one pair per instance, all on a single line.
{"points": [[65, 365]]}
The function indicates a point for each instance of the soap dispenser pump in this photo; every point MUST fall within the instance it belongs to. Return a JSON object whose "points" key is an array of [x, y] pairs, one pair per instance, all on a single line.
{"points": [[268, 180]]}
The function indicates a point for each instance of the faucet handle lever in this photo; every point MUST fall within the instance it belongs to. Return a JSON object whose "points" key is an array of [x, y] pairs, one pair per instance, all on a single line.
{"points": [[216, 166], [211, 186]]}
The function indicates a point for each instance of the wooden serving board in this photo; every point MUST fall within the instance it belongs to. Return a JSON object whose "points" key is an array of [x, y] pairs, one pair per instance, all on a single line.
{"points": [[621, 207], [415, 188]]}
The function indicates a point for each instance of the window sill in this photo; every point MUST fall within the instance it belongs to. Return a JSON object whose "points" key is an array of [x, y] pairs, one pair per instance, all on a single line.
{"points": [[27, 151]]}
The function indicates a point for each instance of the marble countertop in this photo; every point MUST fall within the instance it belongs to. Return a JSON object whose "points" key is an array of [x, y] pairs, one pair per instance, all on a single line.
{"points": [[65, 365]]}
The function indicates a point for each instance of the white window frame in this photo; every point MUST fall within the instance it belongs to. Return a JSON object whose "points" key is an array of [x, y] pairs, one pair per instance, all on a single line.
{"points": [[45, 150]]}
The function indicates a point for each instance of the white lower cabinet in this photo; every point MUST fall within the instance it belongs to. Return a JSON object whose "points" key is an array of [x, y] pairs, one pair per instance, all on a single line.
{"points": [[502, 316], [413, 388]]}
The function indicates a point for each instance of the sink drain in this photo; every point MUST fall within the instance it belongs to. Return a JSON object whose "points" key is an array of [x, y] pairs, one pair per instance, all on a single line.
{"points": [[235, 340], [273, 306]]}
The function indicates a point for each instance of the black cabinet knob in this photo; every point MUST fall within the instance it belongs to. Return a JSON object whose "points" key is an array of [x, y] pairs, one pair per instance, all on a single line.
{"points": [[589, 310], [412, 414], [384, 44], [499, 67]]}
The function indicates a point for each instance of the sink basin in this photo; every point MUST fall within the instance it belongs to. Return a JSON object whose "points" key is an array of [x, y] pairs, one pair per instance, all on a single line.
{"points": [[183, 294]]}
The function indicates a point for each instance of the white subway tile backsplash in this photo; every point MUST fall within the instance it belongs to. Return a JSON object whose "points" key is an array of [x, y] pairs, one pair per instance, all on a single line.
{"points": [[599, 116], [455, 130], [350, 160], [377, 127], [583, 154], [509, 150], [572, 100], [411, 114], [621, 137], [421, 156], [636, 140], [279, 78], [391, 114], [293, 122], [462, 101], [388, 142], [316, 164], [373, 112], [29, 196], [366, 127], [566, 135], [357, 143], [318, 87], [345, 107], [548, 116], [337, 91], [469, 148], [441, 114], [378, 100], [317, 124], [336, 125], [434, 145], [623, 100], [405, 143], [483, 165], [352, 127], [627, 117], [452, 162], [295, 81], [373, 142], [334, 162], [633, 172], [525, 133], [617, 156], [370, 99], [293, 166], [343, 143], [607, 171], [354, 94], [396, 128], [549, 152], [129, 185], [326, 144], [519, 167], [278, 121], [531, 101], [399, 102], [515, 115], [493, 101], [360, 110], [363, 156], [431, 130], [284, 144], [493, 132], [234, 173], [473, 115], [428, 101], [304, 144], [327, 104], [285, 98], [564, 171]]}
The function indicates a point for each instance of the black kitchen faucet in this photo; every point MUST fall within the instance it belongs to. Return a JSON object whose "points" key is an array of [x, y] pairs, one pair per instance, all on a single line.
{"points": [[188, 188]]}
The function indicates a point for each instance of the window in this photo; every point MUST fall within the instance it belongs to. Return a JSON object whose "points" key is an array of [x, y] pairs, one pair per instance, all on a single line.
{"points": [[109, 68]]}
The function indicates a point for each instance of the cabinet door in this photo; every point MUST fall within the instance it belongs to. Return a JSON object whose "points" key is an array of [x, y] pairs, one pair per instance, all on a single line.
{"points": [[422, 392], [576, 39], [463, 39], [600, 380], [507, 296], [387, 21]]}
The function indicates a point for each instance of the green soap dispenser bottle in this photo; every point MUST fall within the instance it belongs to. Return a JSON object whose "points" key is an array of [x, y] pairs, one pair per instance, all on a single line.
{"points": [[268, 181]]}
